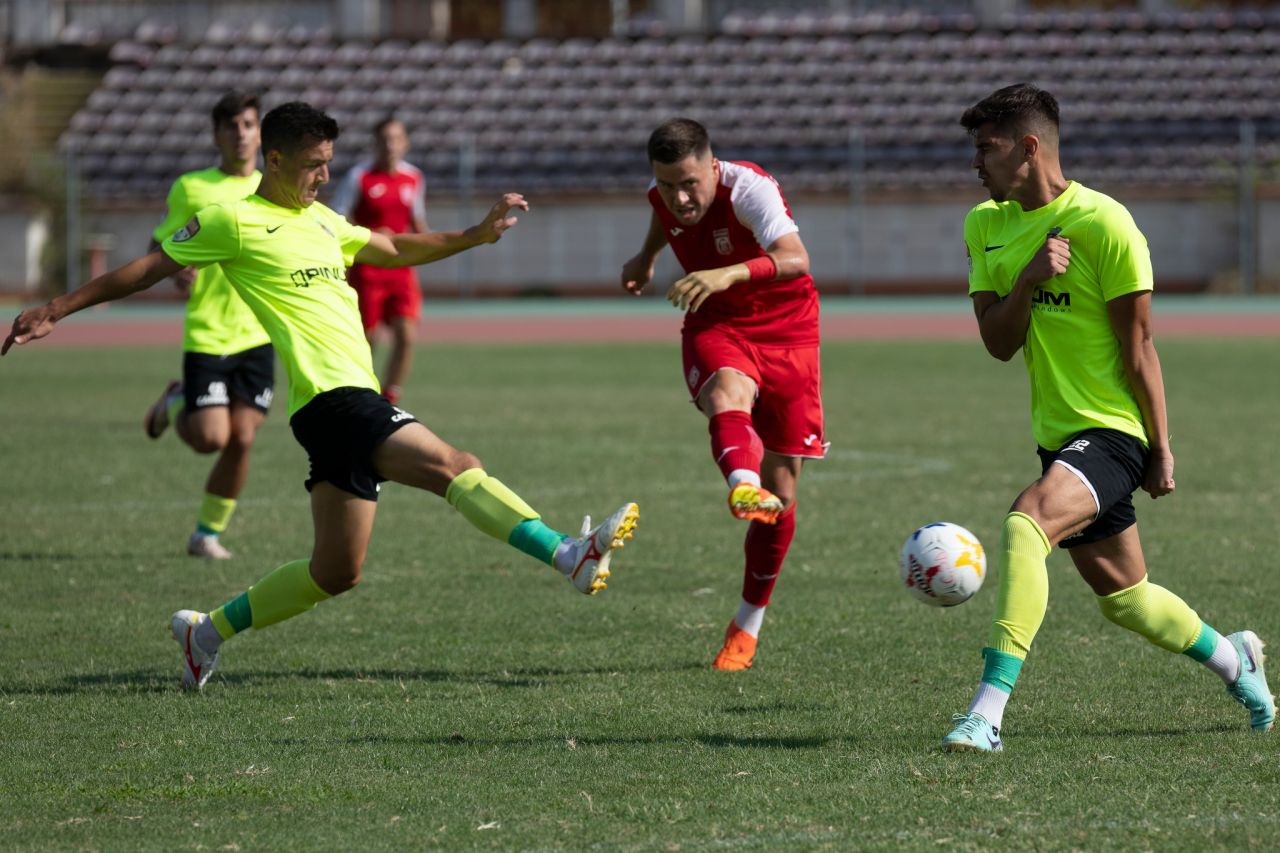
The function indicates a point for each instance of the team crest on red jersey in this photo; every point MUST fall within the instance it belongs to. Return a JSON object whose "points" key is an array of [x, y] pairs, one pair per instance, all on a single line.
{"points": [[723, 245]]}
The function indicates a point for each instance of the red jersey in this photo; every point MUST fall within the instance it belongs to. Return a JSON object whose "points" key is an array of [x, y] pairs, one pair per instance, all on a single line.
{"points": [[381, 200], [747, 216]]}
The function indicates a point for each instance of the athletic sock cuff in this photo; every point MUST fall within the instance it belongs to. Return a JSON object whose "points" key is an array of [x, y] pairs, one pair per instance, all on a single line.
{"points": [[1000, 669], [1204, 645]]}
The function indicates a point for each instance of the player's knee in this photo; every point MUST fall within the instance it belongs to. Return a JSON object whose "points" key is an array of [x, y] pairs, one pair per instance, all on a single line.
{"points": [[338, 578], [208, 442]]}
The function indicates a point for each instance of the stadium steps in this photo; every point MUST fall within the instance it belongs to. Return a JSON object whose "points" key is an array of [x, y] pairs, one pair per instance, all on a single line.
{"points": [[36, 107]]}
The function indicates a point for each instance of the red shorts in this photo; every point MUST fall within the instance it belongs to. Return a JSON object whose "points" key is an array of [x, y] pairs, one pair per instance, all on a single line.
{"points": [[384, 297], [788, 409]]}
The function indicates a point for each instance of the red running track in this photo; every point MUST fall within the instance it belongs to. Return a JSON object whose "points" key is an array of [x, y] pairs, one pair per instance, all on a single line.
{"points": [[604, 328]]}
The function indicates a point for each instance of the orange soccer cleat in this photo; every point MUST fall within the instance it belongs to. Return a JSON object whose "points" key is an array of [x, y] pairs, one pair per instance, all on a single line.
{"points": [[738, 652]]}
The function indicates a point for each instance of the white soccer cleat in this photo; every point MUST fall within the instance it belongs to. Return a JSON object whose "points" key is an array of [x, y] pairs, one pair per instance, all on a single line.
{"points": [[207, 547], [197, 665], [586, 560], [157, 419]]}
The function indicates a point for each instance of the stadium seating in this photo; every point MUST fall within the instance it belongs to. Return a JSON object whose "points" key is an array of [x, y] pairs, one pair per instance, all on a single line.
{"points": [[823, 99]]}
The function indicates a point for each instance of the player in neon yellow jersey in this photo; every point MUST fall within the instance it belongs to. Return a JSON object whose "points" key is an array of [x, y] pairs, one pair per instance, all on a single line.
{"points": [[228, 365], [1062, 273], [286, 255]]}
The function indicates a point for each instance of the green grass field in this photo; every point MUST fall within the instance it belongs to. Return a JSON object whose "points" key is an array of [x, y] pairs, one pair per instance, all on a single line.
{"points": [[464, 696]]}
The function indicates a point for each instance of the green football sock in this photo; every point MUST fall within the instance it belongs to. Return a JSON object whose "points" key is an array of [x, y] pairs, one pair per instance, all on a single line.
{"points": [[215, 514], [1157, 614], [1024, 586], [175, 408], [286, 592], [499, 512]]}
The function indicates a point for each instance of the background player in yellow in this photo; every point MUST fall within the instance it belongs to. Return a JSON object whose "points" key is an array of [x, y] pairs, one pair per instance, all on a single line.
{"points": [[228, 365], [1062, 273], [287, 256]]}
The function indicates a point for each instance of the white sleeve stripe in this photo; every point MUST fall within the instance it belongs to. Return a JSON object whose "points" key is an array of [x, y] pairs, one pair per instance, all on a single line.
{"points": [[758, 204]]}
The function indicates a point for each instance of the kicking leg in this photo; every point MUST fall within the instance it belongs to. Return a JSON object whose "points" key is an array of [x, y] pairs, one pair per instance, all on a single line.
{"points": [[1116, 571], [727, 399], [415, 456]]}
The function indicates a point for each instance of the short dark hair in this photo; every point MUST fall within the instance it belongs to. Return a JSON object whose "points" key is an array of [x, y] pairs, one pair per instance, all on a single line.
{"points": [[1014, 110], [294, 125], [232, 104], [386, 122], [676, 139]]}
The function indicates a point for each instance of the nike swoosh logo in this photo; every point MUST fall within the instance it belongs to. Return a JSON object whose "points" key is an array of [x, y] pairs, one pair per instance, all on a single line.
{"points": [[1249, 658], [993, 248], [278, 227]]}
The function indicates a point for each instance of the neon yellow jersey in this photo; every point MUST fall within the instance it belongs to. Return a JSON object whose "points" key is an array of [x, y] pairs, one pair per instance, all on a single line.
{"points": [[290, 268], [217, 321], [1073, 359]]}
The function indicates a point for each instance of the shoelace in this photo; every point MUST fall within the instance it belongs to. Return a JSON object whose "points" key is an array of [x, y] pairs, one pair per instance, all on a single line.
{"points": [[968, 724]]}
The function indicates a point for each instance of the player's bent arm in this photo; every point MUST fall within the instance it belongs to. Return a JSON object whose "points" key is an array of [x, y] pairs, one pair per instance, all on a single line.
{"points": [[1003, 322], [785, 258], [1130, 317], [408, 250], [637, 271], [134, 276]]}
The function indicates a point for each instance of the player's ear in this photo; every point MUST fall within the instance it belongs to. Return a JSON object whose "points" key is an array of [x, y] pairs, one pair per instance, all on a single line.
{"points": [[1030, 145]]}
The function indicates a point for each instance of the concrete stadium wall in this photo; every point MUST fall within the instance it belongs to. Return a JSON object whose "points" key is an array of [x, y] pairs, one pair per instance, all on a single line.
{"points": [[578, 246]]}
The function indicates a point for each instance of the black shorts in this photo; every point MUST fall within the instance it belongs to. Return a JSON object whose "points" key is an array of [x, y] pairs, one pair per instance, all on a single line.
{"points": [[340, 429], [1111, 464], [215, 380]]}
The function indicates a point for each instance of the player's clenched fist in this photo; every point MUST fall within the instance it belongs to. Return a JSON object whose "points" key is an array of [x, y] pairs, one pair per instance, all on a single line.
{"points": [[1052, 259]]}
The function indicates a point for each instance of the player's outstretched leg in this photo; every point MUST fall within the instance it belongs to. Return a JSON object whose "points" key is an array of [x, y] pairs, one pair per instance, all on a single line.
{"points": [[164, 410], [585, 559]]}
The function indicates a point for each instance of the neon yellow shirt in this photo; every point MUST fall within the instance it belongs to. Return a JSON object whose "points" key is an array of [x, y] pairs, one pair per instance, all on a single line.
{"points": [[217, 321], [1073, 358], [290, 268]]}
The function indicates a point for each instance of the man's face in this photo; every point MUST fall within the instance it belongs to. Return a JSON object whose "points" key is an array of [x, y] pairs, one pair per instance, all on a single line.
{"points": [[238, 138], [688, 187], [391, 143], [1000, 161], [299, 174]]}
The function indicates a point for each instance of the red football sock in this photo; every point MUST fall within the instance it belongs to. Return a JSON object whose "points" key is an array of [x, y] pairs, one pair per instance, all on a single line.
{"points": [[734, 443], [766, 548]]}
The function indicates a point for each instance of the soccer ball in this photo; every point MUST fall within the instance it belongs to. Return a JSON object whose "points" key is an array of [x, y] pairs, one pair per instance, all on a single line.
{"points": [[942, 564]]}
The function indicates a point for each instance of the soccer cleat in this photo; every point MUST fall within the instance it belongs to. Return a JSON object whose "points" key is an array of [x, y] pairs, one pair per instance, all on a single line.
{"points": [[157, 419], [738, 651], [197, 665], [754, 503], [587, 560], [1250, 687], [207, 547], [972, 733]]}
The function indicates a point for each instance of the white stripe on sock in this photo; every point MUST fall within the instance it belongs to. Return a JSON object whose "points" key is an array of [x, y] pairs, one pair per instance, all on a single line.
{"points": [[743, 475]]}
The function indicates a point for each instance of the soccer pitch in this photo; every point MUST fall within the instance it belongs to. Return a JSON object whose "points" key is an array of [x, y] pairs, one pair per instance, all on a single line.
{"points": [[464, 696]]}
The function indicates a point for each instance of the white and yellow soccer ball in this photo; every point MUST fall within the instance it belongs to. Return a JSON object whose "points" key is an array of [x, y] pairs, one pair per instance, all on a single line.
{"points": [[942, 564]]}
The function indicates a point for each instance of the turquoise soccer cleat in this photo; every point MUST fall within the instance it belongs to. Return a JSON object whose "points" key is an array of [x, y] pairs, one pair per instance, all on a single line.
{"points": [[972, 733], [1250, 687]]}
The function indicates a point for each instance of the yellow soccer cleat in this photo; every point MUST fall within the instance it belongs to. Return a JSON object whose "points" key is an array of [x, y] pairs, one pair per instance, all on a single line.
{"points": [[750, 502]]}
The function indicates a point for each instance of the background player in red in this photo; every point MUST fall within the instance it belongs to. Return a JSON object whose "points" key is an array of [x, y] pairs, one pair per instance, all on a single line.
{"points": [[387, 195], [750, 343]]}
